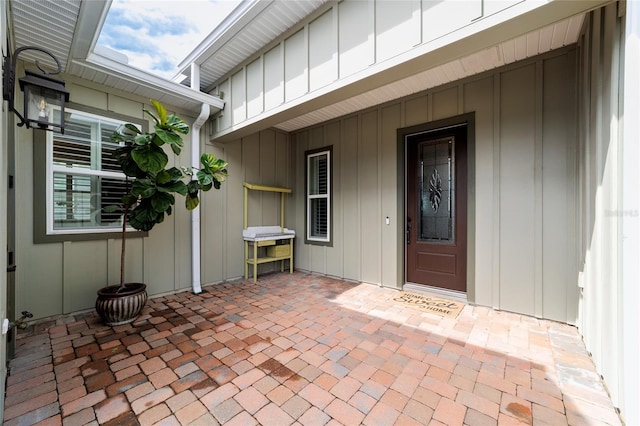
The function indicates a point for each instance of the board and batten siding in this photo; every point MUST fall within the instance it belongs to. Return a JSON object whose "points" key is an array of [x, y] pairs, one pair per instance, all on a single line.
{"points": [[344, 39], [261, 158], [365, 191], [600, 211], [62, 277], [522, 187]]}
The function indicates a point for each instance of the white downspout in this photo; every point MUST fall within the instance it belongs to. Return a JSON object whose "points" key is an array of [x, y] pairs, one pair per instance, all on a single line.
{"points": [[195, 162], [195, 214]]}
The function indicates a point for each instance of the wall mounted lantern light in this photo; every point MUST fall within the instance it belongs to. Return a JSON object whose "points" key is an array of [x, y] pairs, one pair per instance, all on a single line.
{"points": [[41, 93]]}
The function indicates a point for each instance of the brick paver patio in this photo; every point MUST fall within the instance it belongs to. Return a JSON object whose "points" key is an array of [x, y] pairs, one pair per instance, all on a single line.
{"points": [[303, 349]]}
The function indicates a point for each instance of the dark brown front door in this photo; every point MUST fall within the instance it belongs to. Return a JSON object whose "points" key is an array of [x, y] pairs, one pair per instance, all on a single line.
{"points": [[437, 208]]}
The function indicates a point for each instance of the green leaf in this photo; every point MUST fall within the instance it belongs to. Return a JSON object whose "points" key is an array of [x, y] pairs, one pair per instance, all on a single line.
{"points": [[143, 188], [214, 166], [208, 161], [193, 187], [152, 115], [150, 158], [169, 175], [167, 136], [176, 149], [129, 200], [191, 202], [131, 129], [175, 173], [142, 139], [177, 124], [127, 165], [177, 187], [163, 177], [125, 133], [204, 178], [144, 217], [156, 140], [161, 201], [161, 110]]}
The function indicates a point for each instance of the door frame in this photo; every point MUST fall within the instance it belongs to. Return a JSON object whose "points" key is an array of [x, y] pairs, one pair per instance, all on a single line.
{"points": [[467, 119]]}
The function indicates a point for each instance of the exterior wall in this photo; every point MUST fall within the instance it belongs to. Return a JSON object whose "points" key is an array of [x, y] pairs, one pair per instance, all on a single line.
{"points": [[62, 277], [630, 227], [607, 206], [261, 158], [5, 134], [334, 53], [523, 186]]}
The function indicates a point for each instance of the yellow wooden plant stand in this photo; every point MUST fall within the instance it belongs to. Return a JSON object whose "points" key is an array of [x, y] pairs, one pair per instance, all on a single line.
{"points": [[277, 239]]}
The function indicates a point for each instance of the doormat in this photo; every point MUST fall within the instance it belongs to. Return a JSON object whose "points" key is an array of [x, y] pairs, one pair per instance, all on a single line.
{"points": [[433, 305]]}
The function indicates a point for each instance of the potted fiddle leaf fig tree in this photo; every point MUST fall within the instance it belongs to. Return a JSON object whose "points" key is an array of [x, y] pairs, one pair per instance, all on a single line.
{"points": [[151, 189]]}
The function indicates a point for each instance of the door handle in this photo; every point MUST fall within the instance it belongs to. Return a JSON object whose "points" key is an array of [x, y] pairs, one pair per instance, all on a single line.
{"points": [[408, 231]]}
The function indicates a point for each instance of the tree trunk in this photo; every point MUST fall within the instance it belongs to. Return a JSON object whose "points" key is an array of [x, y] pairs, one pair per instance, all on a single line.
{"points": [[124, 240]]}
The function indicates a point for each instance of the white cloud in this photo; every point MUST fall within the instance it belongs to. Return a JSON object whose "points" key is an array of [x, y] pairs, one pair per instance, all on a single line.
{"points": [[156, 35]]}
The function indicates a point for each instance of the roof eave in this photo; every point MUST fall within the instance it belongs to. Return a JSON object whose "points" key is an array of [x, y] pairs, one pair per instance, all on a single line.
{"points": [[160, 85], [242, 15]]}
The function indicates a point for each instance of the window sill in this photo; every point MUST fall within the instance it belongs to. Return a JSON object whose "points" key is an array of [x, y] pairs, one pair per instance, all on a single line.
{"points": [[42, 238]]}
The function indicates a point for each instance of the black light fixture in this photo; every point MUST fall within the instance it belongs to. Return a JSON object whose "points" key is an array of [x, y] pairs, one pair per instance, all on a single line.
{"points": [[41, 93]]}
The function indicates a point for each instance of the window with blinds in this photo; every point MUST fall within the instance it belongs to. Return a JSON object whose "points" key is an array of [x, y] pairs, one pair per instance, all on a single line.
{"points": [[84, 177], [318, 196]]}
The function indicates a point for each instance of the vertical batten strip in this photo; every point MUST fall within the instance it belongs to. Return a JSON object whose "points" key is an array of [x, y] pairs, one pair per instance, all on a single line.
{"points": [[612, 338], [496, 190], [538, 224]]}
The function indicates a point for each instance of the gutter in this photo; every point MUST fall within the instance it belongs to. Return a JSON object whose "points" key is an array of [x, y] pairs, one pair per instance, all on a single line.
{"points": [[164, 88], [195, 214]]}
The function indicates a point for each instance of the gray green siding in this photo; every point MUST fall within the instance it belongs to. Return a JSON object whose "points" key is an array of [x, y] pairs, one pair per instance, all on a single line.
{"points": [[522, 184], [62, 277]]}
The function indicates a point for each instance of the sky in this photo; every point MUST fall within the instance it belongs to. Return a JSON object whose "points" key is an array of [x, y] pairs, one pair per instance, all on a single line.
{"points": [[156, 35]]}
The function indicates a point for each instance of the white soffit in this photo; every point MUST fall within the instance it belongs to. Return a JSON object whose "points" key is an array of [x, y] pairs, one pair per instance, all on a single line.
{"points": [[67, 28], [47, 24], [240, 37], [551, 37]]}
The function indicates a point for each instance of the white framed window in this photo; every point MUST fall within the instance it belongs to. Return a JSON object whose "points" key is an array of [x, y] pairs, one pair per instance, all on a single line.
{"points": [[82, 176], [318, 206]]}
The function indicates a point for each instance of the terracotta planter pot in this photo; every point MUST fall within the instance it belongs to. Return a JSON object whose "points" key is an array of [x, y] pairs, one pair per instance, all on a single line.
{"points": [[117, 308]]}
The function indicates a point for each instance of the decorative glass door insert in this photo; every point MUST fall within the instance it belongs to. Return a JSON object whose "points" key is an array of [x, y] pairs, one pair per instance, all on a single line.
{"points": [[436, 186]]}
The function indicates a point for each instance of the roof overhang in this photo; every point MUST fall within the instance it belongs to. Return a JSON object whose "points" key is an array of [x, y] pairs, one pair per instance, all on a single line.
{"points": [[545, 27], [70, 29]]}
